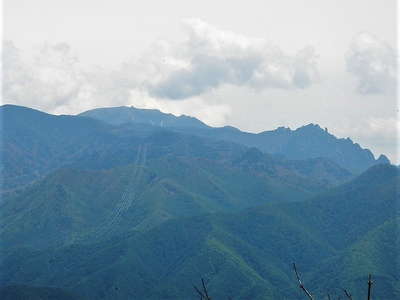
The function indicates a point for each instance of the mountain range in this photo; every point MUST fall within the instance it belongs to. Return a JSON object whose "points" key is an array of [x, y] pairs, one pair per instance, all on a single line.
{"points": [[309, 141], [123, 203]]}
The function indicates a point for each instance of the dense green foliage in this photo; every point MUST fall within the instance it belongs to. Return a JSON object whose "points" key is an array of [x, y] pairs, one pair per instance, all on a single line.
{"points": [[140, 212]]}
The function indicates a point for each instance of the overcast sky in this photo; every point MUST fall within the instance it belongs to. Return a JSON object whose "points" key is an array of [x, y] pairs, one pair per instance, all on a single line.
{"points": [[255, 65]]}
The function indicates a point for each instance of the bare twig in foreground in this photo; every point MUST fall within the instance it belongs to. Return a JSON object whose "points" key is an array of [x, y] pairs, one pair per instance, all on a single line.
{"points": [[369, 286], [204, 293], [301, 284], [348, 295]]}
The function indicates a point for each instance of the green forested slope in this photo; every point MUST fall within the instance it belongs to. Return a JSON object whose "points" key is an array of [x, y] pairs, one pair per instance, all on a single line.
{"points": [[247, 253], [135, 211]]}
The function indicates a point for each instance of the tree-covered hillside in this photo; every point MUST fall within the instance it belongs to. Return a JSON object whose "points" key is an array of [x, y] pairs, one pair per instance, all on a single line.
{"points": [[91, 210], [337, 238]]}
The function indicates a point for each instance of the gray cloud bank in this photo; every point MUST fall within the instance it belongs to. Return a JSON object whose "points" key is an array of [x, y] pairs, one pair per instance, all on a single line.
{"points": [[211, 57], [54, 79], [374, 63]]}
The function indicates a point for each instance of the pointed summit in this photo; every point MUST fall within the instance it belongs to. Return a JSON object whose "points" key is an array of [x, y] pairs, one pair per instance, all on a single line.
{"points": [[383, 159], [312, 129]]}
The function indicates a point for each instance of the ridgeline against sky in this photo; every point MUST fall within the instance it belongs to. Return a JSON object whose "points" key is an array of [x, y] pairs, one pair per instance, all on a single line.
{"points": [[253, 65]]}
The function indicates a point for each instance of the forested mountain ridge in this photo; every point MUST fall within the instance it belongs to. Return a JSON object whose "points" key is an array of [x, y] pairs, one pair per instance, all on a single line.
{"points": [[35, 143], [137, 210], [306, 142], [145, 174]]}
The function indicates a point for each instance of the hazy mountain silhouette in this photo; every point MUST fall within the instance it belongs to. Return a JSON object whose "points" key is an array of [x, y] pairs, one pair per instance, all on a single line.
{"points": [[310, 141]]}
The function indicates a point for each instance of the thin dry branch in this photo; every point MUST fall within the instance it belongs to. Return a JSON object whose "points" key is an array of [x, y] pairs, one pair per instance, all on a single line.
{"points": [[204, 293], [205, 289], [301, 284], [202, 296], [348, 295], [369, 286]]}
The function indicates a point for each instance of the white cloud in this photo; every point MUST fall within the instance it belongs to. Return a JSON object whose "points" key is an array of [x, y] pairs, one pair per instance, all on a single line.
{"points": [[384, 129], [48, 79], [211, 57], [377, 133], [374, 63], [53, 79]]}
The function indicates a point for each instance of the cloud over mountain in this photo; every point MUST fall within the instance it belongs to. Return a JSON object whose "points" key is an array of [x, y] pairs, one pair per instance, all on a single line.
{"points": [[50, 78], [373, 62], [54, 79], [211, 57]]}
